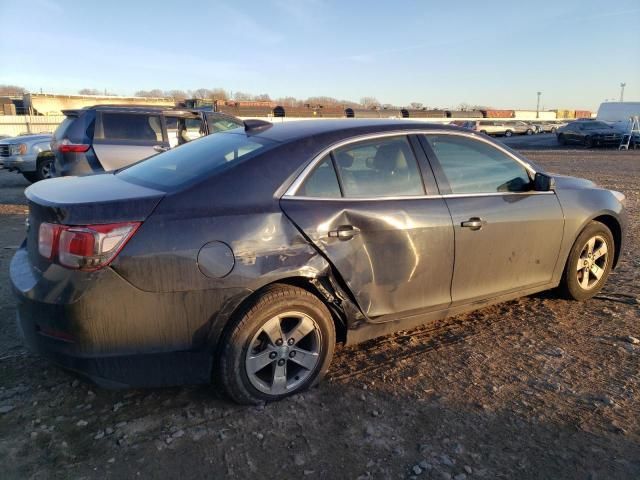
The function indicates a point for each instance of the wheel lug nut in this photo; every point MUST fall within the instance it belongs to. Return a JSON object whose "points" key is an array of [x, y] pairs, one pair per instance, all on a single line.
{"points": [[273, 355], [281, 362], [290, 341], [279, 342], [292, 354]]}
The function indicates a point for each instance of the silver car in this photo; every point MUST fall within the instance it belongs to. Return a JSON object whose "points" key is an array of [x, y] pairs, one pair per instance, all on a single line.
{"points": [[29, 155]]}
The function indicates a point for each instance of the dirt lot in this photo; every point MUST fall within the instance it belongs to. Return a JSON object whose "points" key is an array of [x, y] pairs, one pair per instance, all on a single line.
{"points": [[535, 388]]}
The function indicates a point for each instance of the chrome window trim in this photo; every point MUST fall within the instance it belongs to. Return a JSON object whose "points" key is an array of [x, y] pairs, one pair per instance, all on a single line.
{"points": [[293, 188], [415, 197]]}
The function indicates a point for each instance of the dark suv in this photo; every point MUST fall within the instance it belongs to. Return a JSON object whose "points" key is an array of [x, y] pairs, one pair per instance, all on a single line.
{"points": [[109, 137]]}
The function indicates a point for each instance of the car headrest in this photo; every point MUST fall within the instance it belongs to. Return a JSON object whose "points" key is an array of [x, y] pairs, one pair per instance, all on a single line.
{"points": [[390, 157], [344, 159]]}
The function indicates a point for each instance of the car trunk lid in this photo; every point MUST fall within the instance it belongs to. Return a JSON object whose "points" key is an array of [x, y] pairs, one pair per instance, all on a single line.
{"points": [[91, 200]]}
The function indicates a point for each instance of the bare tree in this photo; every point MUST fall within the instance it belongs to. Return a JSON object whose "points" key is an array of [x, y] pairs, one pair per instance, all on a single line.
{"points": [[89, 91], [369, 102], [415, 105], [156, 92], [11, 90], [289, 102], [324, 101], [263, 97], [219, 94], [242, 96], [176, 94]]}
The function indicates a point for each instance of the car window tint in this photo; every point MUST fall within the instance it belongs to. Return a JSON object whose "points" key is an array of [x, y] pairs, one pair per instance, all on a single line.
{"points": [[379, 168], [218, 124], [125, 126], [203, 157], [183, 130], [322, 182], [473, 166]]}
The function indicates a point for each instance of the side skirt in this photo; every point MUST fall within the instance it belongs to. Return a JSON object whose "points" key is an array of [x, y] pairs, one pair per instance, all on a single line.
{"points": [[363, 331]]}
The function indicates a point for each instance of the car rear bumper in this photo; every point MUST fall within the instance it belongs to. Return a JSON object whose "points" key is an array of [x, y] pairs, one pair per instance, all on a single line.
{"points": [[98, 325]]}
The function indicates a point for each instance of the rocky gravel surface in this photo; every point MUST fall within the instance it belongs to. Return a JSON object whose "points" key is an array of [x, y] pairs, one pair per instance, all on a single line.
{"points": [[539, 387]]}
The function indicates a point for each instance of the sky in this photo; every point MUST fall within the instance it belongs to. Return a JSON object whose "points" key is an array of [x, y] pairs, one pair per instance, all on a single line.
{"points": [[438, 53]]}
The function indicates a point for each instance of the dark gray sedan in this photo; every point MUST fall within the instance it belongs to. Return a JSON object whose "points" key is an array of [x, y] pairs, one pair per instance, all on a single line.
{"points": [[246, 255], [589, 133]]}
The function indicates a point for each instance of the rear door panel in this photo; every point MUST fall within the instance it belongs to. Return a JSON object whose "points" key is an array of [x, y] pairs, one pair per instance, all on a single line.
{"points": [[400, 261]]}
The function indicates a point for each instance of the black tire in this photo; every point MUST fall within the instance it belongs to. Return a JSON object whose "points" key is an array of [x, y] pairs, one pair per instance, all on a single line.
{"points": [[529, 132], [508, 133], [562, 140], [30, 176], [588, 142], [484, 132], [570, 285], [44, 168], [248, 323], [553, 130]]}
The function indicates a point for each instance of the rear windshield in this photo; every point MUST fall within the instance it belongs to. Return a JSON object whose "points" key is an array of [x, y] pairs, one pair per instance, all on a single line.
{"points": [[202, 157], [77, 129]]}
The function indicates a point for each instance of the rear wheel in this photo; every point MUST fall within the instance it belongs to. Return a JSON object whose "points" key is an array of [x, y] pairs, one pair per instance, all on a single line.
{"points": [[508, 133], [484, 132], [280, 344], [588, 142], [529, 132], [562, 140], [589, 262], [44, 168]]}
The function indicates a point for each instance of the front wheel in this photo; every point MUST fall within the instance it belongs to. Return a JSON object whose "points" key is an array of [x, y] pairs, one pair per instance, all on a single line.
{"points": [[562, 140], [529, 132], [280, 344], [589, 262]]}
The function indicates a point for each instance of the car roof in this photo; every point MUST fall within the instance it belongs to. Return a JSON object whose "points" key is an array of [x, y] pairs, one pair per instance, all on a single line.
{"points": [[128, 108], [296, 130]]}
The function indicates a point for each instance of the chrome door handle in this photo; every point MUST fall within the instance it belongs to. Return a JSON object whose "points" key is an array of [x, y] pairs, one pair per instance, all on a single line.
{"points": [[344, 232], [474, 223], [160, 148]]}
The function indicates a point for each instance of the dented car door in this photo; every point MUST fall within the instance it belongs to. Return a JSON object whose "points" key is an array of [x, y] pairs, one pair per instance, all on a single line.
{"points": [[364, 206]]}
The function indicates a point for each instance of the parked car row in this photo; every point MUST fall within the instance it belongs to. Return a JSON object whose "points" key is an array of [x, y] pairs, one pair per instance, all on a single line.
{"points": [[107, 137], [509, 128]]}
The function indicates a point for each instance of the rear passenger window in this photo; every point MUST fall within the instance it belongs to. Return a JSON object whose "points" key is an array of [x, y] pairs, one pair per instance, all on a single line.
{"points": [[129, 127], [322, 182], [379, 168]]}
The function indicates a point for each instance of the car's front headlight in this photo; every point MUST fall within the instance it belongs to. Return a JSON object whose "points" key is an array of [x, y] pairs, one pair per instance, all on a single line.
{"points": [[19, 149]]}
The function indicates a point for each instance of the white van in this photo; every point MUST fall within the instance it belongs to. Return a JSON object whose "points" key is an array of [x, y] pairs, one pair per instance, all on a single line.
{"points": [[618, 114]]}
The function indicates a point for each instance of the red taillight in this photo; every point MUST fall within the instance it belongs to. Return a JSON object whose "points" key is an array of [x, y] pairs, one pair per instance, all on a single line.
{"points": [[87, 247], [67, 147]]}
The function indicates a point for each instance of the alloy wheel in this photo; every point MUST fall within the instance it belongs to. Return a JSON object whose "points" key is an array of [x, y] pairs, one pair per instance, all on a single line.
{"points": [[592, 262], [284, 353], [45, 170]]}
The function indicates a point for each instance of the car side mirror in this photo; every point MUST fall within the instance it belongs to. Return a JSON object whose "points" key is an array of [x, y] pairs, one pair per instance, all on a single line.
{"points": [[543, 182]]}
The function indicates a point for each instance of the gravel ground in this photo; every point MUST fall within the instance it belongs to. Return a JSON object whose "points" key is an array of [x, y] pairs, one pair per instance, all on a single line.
{"points": [[535, 388]]}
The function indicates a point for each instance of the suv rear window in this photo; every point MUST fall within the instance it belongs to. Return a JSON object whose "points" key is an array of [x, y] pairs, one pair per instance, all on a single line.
{"points": [[78, 129], [181, 165], [130, 127]]}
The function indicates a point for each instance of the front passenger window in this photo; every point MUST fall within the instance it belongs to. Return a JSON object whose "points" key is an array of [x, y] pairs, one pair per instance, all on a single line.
{"points": [[474, 166]]}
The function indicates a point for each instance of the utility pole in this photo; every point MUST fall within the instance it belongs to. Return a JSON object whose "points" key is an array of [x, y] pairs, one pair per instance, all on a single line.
{"points": [[538, 106], [622, 85]]}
